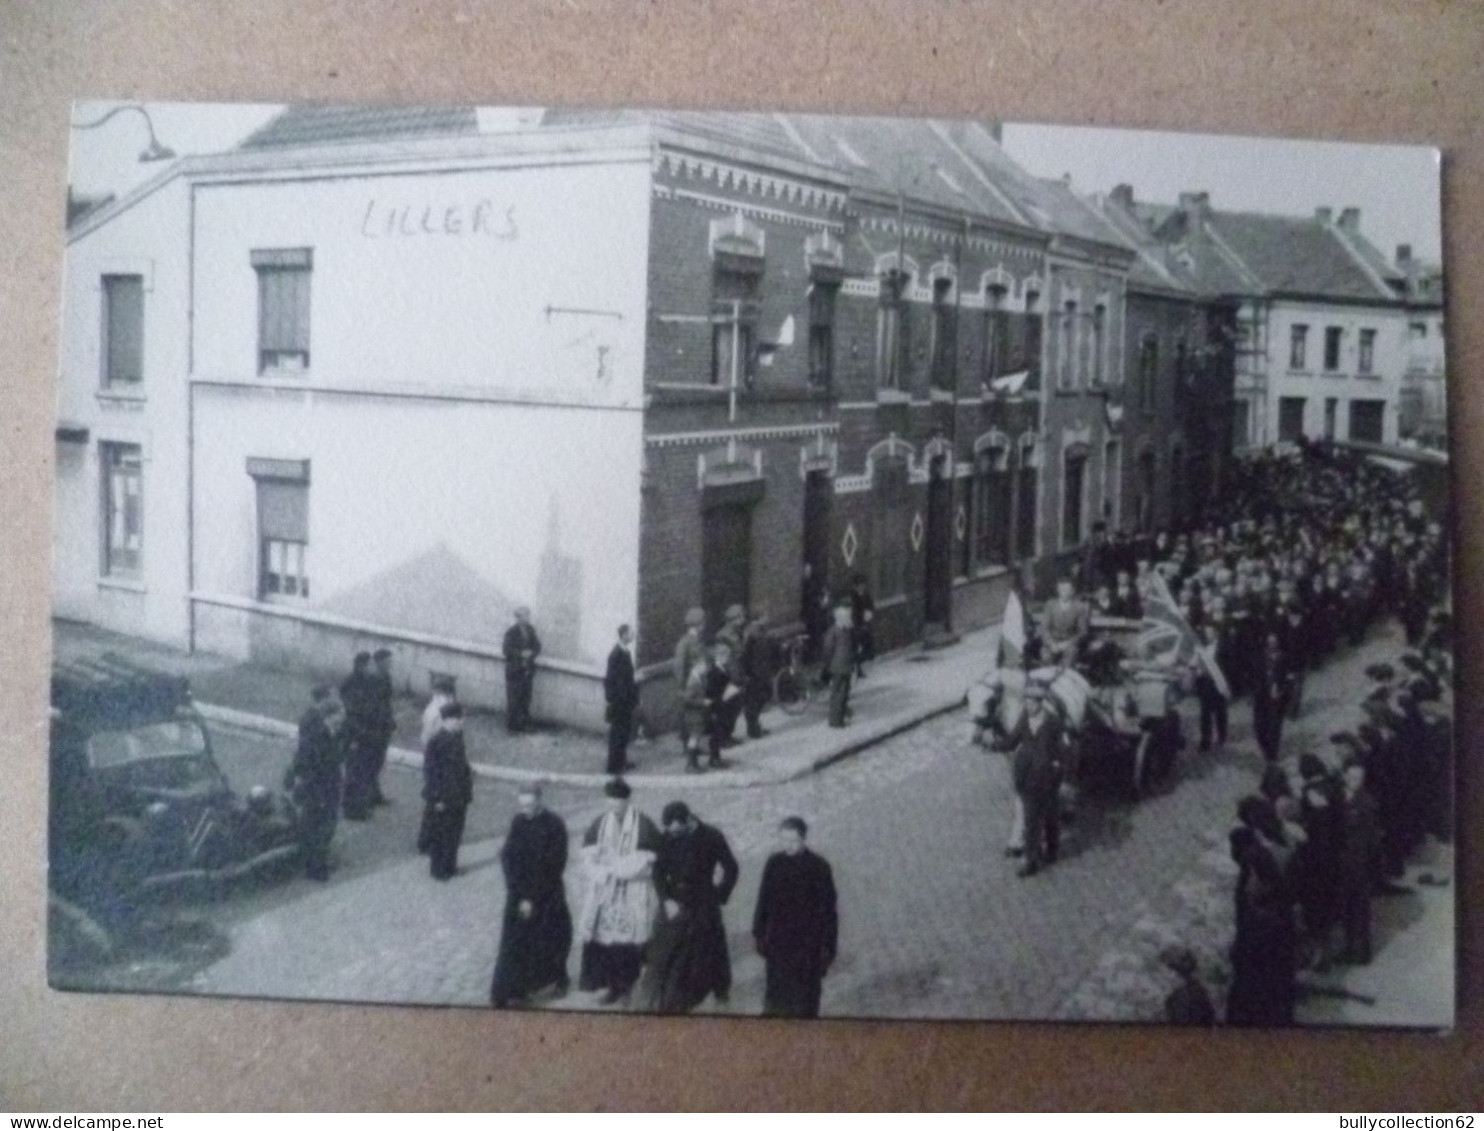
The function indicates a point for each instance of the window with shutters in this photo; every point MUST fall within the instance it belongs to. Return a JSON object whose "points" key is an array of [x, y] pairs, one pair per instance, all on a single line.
{"points": [[945, 336], [283, 528], [1067, 362], [822, 334], [893, 330], [1334, 337], [1298, 346], [994, 489], [1148, 370], [123, 509], [283, 308], [123, 331], [1367, 362]]}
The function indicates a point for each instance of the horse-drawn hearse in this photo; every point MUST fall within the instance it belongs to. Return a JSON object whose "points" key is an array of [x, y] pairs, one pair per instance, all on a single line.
{"points": [[1118, 700]]}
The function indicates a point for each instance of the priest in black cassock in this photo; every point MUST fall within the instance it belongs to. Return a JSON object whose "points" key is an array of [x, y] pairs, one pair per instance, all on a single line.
{"points": [[694, 875], [796, 926], [536, 935]]}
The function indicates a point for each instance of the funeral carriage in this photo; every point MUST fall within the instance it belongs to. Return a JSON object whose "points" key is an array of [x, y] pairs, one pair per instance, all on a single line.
{"points": [[1118, 699]]}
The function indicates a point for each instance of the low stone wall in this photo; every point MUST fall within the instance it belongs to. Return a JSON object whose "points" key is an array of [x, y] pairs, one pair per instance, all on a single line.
{"points": [[322, 649]]}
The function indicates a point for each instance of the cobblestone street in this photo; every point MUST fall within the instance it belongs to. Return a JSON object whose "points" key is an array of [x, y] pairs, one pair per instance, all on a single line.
{"points": [[934, 921]]}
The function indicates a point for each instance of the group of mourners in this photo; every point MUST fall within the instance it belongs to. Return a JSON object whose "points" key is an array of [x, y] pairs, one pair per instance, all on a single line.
{"points": [[1313, 552], [730, 676], [651, 922]]}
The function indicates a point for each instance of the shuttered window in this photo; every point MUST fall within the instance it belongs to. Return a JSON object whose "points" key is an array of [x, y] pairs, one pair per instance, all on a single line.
{"points": [[123, 509], [283, 308], [283, 527], [123, 330]]}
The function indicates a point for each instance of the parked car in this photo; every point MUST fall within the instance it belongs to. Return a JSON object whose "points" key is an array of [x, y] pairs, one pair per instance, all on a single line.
{"points": [[139, 807]]}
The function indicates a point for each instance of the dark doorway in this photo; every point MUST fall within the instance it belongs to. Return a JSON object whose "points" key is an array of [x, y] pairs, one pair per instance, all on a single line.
{"points": [[1367, 421], [726, 556], [818, 491], [938, 571]]}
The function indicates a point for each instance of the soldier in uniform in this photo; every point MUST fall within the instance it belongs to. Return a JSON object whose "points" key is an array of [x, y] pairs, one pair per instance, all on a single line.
{"points": [[689, 652], [840, 663], [731, 634], [314, 778], [1067, 622]]}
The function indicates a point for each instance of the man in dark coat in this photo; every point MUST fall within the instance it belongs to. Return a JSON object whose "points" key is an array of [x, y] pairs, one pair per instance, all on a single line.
{"points": [[315, 780], [358, 693], [448, 787], [840, 664], [796, 924], [1270, 697], [536, 933], [694, 876], [1040, 756], [1358, 867], [521, 647], [862, 619], [757, 673], [621, 691], [381, 721]]}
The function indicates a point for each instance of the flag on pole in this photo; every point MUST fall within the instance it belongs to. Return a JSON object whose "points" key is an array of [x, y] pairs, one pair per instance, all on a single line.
{"points": [[1012, 632], [1168, 638], [1011, 384]]}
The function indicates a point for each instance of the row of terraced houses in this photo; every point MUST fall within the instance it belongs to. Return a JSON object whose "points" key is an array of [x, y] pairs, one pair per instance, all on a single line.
{"points": [[379, 376]]}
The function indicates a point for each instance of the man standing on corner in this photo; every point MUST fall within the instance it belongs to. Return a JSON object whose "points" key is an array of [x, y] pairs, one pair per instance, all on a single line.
{"points": [[381, 722], [536, 934], [448, 787], [621, 690], [757, 673], [694, 877], [796, 925], [521, 648], [839, 663], [357, 693], [314, 779]]}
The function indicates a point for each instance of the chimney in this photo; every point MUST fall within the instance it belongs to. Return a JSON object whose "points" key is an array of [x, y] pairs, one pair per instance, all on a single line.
{"points": [[1324, 215], [1404, 255], [1350, 221], [1195, 204], [1123, 196]]}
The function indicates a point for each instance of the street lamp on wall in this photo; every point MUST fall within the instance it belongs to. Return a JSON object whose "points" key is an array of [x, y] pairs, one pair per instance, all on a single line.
{"points": [[154, 151]]}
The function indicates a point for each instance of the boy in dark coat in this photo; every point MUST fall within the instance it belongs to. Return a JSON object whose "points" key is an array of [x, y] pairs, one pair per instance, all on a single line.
{"points": [[448, 787], [796, 925]]}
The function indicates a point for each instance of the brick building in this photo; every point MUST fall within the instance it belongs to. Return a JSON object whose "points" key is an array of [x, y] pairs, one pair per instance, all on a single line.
{"points": [[1179, 356], [610, 364]]}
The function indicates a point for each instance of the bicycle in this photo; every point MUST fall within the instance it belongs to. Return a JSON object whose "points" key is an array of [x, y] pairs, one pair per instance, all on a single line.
{"points": [[793, 684]]}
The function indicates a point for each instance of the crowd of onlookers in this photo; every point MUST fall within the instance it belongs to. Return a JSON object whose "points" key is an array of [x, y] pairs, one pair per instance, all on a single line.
{"points": [[1310, 554]]}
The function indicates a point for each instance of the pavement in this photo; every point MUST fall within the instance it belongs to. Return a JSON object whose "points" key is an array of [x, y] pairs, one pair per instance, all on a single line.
{"points": [[934, 921], [899, 691]]}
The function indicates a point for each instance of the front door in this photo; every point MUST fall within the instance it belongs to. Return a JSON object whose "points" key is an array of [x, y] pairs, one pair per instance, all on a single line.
{"points": [[726, 554], [938, 567], [818, 491]]}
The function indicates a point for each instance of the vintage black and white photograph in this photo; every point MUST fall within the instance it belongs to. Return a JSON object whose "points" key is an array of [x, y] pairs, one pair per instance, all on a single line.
{"points": [[751, 564]]}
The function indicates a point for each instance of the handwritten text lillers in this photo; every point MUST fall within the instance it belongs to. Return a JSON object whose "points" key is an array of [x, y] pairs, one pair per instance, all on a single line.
{"points": [[476, 218]]}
